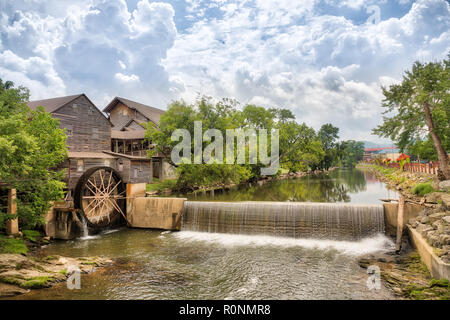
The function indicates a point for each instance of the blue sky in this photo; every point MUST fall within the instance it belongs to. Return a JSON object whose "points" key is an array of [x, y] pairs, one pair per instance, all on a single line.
{"points": [[325, 59]]}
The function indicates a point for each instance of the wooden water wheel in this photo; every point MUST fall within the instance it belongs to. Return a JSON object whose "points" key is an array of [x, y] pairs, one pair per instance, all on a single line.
{"points": [[100, 196]]}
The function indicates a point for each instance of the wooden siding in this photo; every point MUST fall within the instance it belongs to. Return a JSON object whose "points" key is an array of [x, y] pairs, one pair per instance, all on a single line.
{"points": [[90, 130], [119, 119], [126, 170], [139, 171], [72, 173]]}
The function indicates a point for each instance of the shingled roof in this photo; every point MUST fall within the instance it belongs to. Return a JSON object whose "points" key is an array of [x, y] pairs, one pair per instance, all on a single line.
{"points": [[128, 135], [151, 113], [51, 105]]}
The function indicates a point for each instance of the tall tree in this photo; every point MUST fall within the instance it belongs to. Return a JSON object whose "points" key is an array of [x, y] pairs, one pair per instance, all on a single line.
{"points": [[300, 148], [352, 152], [31, 146], [328, 134], [420, 105]]}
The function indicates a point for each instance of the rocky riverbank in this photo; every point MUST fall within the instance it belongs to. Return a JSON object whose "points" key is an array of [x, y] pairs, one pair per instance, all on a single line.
{"points": [[407, 276], [434, 226], [413, 186], [19, 274], [433, 223]]}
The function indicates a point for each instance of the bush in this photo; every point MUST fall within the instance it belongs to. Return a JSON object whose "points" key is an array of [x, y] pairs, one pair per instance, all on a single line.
{"points": [[31, 235], [159, 186], [422, 189]]}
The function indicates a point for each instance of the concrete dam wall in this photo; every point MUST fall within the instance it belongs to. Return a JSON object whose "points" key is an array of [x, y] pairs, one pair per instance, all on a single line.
{"points": [[285, 219]]}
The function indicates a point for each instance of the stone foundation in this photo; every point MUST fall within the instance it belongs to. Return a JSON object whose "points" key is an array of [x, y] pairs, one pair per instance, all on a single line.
{"points": [[63, 224]]}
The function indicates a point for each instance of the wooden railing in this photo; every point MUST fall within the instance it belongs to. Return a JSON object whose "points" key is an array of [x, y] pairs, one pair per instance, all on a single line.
{"points": [[430, 167]]}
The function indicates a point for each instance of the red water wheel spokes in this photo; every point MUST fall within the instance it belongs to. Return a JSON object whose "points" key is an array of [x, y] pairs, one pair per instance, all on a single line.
{"points": [[100, 194]]}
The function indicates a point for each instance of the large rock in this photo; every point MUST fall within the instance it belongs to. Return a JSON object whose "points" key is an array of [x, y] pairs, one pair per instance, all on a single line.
{"points": [[436, 216], [444, 185], [423, 229], [413, 222], [445, 197], [444, 239], [438, 225], [425, 220], [432, 237], [433, 197]]}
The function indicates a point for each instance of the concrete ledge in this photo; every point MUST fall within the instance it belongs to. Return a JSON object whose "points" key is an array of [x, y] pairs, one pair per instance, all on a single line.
{"points": [[155, 213], [437, 268], [391, 213]]}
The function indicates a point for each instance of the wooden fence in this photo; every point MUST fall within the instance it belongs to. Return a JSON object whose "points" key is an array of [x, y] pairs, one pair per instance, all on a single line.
{"points": [[430, 167]]}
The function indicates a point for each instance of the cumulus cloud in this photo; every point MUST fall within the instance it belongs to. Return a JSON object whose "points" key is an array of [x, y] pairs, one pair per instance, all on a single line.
{"points": [[126, 79], [87, 47], [319, 58], [326, 68], [34, 73]]}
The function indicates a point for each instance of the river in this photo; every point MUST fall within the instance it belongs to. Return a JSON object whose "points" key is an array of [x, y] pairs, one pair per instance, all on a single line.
{"points": [[198, 265]]}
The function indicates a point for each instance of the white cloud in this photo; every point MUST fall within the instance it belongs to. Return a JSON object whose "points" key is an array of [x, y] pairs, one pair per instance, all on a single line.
{"points": [[124, 78], [324, 67], [88, 46], [34, 73]]}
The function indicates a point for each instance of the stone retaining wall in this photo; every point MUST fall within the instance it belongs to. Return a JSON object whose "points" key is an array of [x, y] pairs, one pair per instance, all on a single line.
{"points": [[437, 268]]}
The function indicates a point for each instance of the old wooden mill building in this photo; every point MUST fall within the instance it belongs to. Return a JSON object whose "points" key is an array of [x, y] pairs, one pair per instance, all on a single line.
{"points": [[105, 151]]}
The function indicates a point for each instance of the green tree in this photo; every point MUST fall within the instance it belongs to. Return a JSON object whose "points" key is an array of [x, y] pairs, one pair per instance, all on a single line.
{"points": [[420, 106], [422, 150], [299, 145], [300, 148], [352, 153], [31, 146], [328, 134]]}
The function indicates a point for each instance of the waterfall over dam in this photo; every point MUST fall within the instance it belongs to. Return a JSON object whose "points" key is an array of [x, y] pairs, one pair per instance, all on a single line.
{"points": [[338, 221]]}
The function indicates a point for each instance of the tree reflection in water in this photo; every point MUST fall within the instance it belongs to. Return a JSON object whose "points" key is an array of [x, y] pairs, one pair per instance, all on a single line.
{"points": [[335, 186]]}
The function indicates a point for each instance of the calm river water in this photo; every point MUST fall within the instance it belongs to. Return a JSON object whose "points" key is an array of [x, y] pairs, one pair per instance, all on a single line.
{"points": [[194, 265]]}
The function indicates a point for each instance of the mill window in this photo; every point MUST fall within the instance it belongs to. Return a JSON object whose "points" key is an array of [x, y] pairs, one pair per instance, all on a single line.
{"points": [[69, 130], [80, 165]]}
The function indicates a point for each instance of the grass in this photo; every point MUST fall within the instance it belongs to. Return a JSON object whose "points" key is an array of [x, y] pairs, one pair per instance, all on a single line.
{"points": [[37, 282], [160, 186], [31, 283], [10, 280], [31, 235], [422, 189], [415, 264], [12, 245], [436, 289]]}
